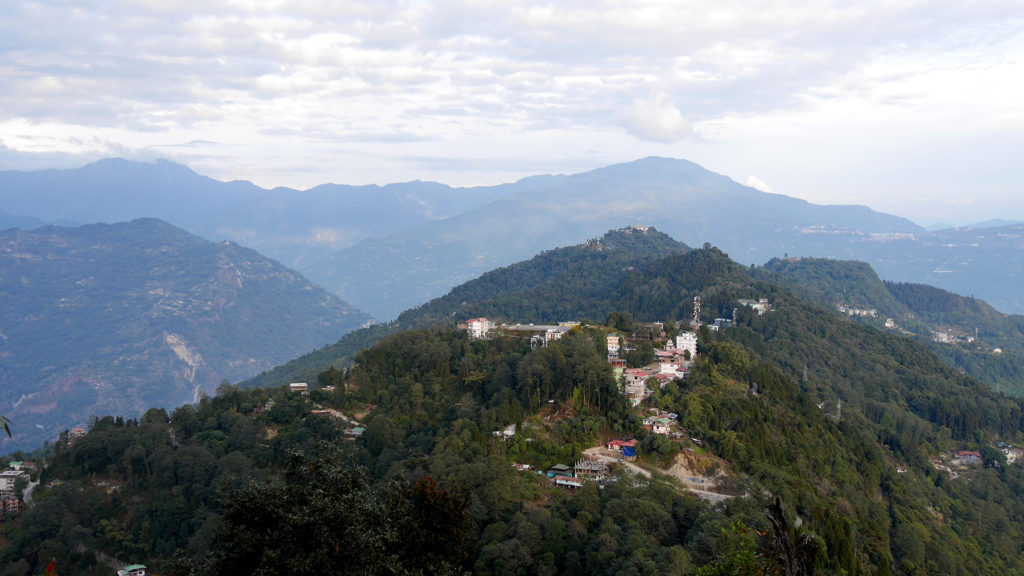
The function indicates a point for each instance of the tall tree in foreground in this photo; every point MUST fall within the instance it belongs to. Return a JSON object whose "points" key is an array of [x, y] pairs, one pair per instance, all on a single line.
{"points": [[323, 516]]}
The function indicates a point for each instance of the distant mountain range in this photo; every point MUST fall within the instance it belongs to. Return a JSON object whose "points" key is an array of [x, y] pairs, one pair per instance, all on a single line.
{"points": [[114, 319], [386, 249]]}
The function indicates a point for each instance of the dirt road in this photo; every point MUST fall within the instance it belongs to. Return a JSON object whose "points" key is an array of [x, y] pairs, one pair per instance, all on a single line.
{"points": [[613, 457]]}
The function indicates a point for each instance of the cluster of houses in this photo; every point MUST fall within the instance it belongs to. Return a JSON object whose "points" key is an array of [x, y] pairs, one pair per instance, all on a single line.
{"points": [[949, 337], [9, 501], [974, 458], [673, 359], [761, 305], [854, 311], [1012, 453], [586, 469], [540, 334], [663, 423], [672, 362]]}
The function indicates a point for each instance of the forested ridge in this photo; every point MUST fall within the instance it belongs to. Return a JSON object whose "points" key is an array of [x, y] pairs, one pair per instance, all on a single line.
{"points": [[979, 340], [564, 283], [204, 486]]}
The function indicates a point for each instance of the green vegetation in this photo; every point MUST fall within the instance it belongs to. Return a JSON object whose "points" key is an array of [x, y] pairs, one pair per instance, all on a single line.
{"points": [[829, 428], [120, 318], [973, 328], [565, 283]]}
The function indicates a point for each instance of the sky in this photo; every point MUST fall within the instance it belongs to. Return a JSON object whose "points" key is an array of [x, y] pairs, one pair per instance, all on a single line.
{"points": [[910, 107]]}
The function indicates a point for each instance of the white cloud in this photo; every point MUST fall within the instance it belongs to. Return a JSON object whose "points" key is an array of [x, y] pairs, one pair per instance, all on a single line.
{"points": [[779, 78], [657, 119], [758, 184]]}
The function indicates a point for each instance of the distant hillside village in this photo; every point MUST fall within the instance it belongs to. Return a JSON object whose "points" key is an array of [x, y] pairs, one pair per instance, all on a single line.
{"points": [[669, 362], [15, 486]]}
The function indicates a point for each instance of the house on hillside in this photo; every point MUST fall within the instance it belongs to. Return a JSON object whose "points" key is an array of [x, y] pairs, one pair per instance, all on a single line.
{"points": [[132, 570], [7, 480], [760, 305], [568, 482], [588, 469], [649, 331], [720, 323], [635, 384], [968, 457], [9, 505], [479, 328], [660, 424], [637, 376], [664, 378], [687, 341], [543, 334], [300, 387], [618, 445], [613, 343], [626, 447], [559, 470]]}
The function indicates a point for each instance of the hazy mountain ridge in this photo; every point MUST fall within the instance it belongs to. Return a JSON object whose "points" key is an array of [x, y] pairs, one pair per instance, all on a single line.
{"points": [[389, 248], [678, 197], [292, 226], [119, 318], [533, 290]]}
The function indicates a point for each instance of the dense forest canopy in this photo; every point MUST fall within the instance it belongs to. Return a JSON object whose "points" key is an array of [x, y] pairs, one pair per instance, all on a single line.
{"points": [[966, 333], [830, 436]]}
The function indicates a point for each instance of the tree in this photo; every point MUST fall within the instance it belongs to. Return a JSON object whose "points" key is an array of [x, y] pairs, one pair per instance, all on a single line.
{"points": [[323, 516], [20, 483]]}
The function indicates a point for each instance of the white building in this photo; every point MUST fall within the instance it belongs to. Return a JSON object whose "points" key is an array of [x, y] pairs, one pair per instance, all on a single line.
{"points": [[613, 344], [479, 327], [7, 480], [687, 341], [760, 305]]}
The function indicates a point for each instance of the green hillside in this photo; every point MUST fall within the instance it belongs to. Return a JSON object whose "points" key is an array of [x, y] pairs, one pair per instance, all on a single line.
{"points": [[965, 332], [115, 319], [570, 282], [833, 441]]}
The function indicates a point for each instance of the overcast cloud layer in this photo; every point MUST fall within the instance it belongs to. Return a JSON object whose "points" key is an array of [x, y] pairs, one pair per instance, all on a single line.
{"points": [[910, 107]]}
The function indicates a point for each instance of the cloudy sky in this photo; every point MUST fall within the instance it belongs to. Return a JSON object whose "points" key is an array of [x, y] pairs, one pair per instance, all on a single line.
{"points": [[914, 108]]}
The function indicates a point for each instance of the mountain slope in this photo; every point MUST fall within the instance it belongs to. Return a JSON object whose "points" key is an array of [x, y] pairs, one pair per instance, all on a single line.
{"points": [[862, 487], [118, 318], [388, 248], [390, 273], [965, 332], [296, 227], [535, 290]]}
